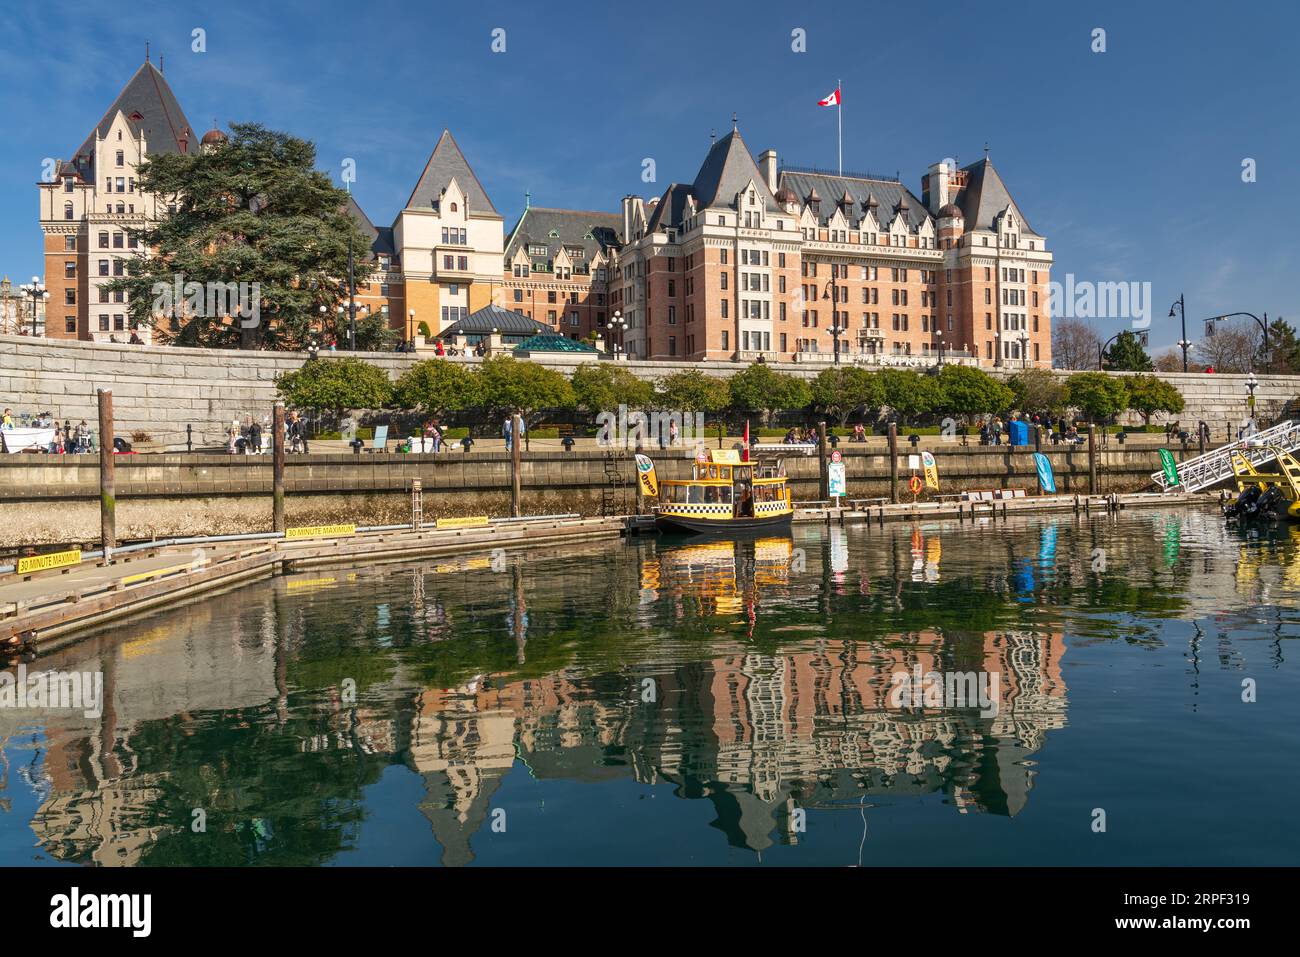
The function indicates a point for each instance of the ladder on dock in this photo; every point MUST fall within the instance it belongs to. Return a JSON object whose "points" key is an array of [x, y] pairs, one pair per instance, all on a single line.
{"points": [[1204, 471], [613, 495]]}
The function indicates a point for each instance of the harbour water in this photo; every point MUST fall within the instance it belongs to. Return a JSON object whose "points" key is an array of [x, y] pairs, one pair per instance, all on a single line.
{"points": [[1048, 690]]}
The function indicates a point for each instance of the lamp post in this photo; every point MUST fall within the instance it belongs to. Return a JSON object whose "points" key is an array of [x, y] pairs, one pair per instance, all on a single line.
{"points": [[1263, 325], [939, 336], [1024, 350], [37, 292], [410, 324], [352, 299], [830, 292], [1183, 344], [617, 325], [1251, 385], [836, 330]]}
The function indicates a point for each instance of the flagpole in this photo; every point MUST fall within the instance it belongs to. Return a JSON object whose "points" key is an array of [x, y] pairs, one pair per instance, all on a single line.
{"points": [[839, 116]]}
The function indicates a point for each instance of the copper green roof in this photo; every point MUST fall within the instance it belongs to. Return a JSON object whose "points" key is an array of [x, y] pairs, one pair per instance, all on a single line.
{"points": [[554, 343]]}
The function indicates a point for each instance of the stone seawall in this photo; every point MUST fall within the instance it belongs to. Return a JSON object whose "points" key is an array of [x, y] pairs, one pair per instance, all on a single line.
{"points": [[49, 499], [159, 390]]}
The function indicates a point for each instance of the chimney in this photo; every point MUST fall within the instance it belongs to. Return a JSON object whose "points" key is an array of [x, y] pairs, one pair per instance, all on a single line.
{"points": [[767, 166], [936, 186], [631, 204]]}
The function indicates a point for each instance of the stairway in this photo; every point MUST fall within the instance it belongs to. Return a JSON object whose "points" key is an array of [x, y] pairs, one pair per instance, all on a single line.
{"points": [[1209, 469]]}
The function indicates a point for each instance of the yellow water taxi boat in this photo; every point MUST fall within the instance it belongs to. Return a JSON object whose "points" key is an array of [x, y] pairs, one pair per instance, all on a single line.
{"points": [[726, 494], [1265, 496]]}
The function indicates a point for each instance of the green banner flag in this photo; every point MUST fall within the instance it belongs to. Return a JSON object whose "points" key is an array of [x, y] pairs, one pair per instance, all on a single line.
{"points": [[1170, 466]]}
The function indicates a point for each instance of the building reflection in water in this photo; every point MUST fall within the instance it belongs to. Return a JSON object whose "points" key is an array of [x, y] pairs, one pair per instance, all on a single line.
{"points": [[770, 665]]}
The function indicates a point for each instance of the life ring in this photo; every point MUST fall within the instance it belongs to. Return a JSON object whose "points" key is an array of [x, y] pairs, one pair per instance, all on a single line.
{"points": [[915, 485]]}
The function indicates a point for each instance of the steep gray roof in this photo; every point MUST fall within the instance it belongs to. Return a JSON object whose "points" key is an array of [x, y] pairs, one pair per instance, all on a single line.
{"points": [[150, 107], [381, 238], [887, 193], [985, 196], [446, 163], [670, 208], [727, 169], [591, 231], [491, 317]]}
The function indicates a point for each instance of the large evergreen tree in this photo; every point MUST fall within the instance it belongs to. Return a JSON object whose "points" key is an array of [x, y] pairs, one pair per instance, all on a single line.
{"points": [[252, 212], [1283, 354], [1127, 355]]}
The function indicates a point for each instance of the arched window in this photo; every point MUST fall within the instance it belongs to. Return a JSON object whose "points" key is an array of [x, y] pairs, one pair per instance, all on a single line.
{"points": [[67, 210], [453, 207]]}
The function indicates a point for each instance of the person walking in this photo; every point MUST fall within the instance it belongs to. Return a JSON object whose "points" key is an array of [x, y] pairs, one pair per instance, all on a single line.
{"points": [[507, 427]]}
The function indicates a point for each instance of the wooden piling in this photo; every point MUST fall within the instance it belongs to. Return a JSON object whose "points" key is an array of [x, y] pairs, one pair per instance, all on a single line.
{"points": [[107, 479], [1092, 458], [893, 462], [277, 467], [823, 484], [516, 424]]}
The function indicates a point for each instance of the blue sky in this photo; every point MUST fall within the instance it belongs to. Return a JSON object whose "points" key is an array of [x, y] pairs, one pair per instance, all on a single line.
{"points": [[1129, 161]]}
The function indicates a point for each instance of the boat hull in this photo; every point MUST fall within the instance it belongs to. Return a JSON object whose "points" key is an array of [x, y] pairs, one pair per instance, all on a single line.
{"points": [[683, 525]]}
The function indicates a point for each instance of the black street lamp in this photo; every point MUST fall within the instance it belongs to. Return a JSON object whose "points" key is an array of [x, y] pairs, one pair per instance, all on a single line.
{"points": [[836, 331], [37, 292], [830, 292], [616, 326], [939, 336], [1183, 344], [1263, 325], [352, 300]]}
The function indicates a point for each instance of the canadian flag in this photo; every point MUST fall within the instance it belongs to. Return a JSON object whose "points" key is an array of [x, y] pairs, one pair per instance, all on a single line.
{"points": [[832, 100]]}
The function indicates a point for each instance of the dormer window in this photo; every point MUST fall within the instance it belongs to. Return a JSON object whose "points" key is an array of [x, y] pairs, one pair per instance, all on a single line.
{"points": [[453, 207]]}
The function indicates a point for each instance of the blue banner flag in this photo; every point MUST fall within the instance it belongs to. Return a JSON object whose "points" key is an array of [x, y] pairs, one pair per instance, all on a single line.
{"points": [[1046, 480]]}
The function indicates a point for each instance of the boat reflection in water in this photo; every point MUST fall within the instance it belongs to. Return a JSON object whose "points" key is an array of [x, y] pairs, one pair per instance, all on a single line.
{"points": [[638, 702]]}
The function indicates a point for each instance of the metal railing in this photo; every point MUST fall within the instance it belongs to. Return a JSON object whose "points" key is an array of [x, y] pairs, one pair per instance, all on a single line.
{"points": [[1203, 471]]}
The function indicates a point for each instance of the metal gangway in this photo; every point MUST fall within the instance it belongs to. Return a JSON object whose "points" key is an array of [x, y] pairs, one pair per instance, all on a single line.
{"points": [[1209, 469]]}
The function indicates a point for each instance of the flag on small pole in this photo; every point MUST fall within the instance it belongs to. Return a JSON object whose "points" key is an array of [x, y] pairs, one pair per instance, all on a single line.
{"points": [[837, 101]]}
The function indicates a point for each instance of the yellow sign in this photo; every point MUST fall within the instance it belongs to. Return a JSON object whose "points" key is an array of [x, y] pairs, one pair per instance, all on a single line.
{"points": [[156, 573], [645, 475], [467, 521], [320, 531], [39, 563], [727, 456], [931, 470]]}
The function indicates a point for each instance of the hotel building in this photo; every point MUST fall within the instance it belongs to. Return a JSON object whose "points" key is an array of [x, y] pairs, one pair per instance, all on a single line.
{"points": [[748, 259]]}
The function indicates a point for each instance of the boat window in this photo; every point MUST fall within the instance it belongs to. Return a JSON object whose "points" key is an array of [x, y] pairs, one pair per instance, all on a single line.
{"points": [[697, 494], [724, 491], [713, 471]]}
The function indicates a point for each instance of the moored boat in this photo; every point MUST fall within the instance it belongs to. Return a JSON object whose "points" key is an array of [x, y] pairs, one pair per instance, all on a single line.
{"points": [[726, 494]]}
